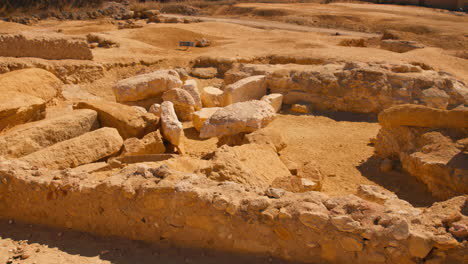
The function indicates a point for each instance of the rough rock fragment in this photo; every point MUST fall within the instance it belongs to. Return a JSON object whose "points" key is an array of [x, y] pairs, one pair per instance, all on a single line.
{"points": [[375, 193], [295, 184], [242, 164], [435, 97], [151, 143], [205, 73], [266, 136], [203, 42], [155, 109], [300, 108], [311, 172]]}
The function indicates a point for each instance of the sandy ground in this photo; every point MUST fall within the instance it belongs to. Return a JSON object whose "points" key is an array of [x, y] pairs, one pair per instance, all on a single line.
{"points": [[339, 143], [28, 244]]}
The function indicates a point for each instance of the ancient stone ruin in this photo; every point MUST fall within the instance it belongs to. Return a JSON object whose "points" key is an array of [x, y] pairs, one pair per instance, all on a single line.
{"points": [[306, 159]]}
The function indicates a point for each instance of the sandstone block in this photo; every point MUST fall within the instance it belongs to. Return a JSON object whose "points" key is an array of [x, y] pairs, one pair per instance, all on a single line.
{"points": [[199, 117], [212, 97], [421, 116], [243, 117], [250, 88], [205, 73], [35, 82], [146, 85], [171, 127], [151, 143], [18, 108], [126, 119], [89, 147], [275, 100], [73, 92], [191, 87], [184, 104], [31, 137]]}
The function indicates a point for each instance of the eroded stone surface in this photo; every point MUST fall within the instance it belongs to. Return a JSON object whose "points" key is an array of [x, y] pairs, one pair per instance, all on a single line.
{"points": [[35, 82], [191, 87], [357, 87], [250, 88], [426, 142], [199, 117], [52, 46], [275, 100], [212, 96], [151, 143], [239, 164], [146, 85], [129, 121], [171, 127], [89, 147], [31, 137], [288, 226], [18, 108], [183, 102], [238, 118]]}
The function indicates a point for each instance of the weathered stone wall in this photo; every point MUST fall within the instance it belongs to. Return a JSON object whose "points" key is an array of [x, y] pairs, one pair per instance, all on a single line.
{"points": [[51, 47], [75, 71], [431, 145], [357, 87], [190, 210]]}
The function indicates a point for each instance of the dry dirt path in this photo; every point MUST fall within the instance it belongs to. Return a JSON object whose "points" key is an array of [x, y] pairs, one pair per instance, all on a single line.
{"points": [[264, 24]]}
